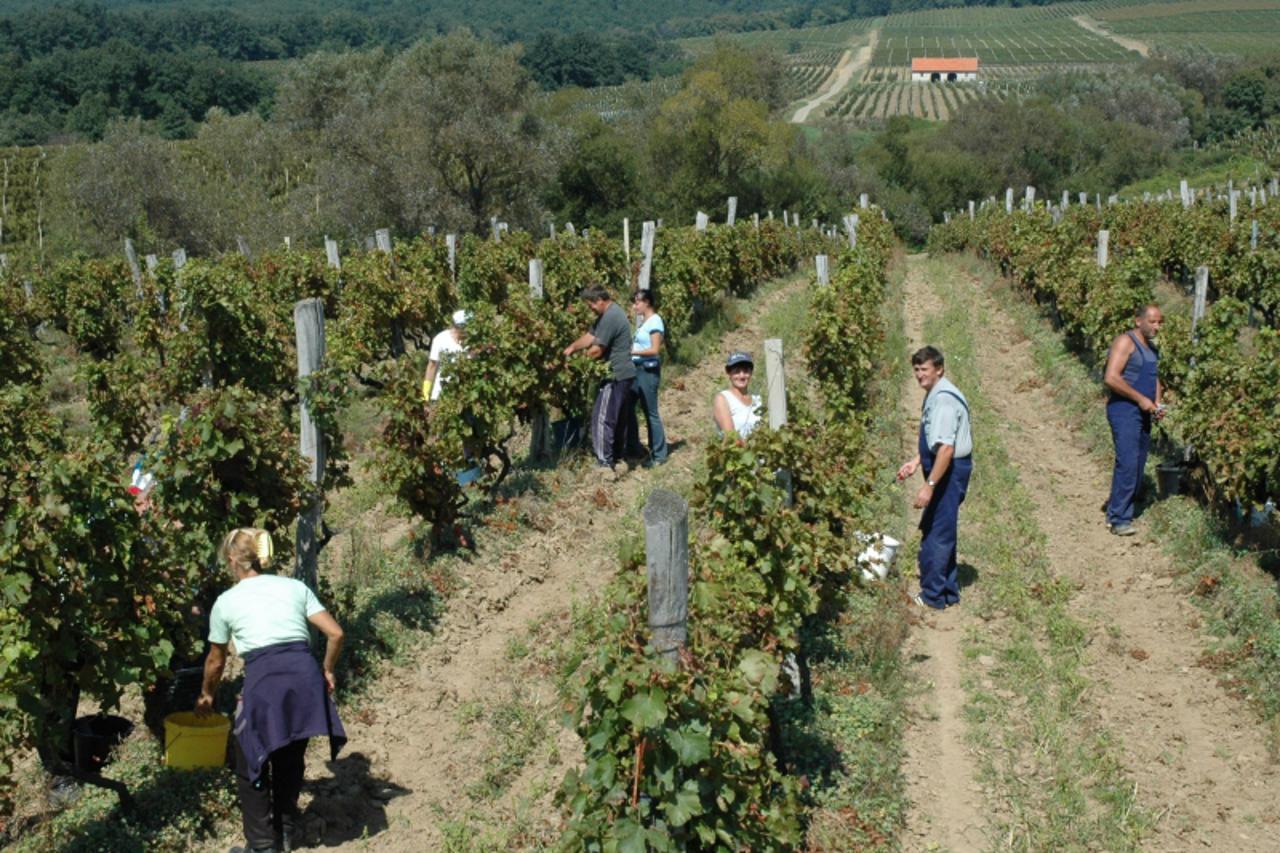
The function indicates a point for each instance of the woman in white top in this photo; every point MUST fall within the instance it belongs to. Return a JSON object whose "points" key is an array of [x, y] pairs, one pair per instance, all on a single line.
{"points": [[285, 698], [734, 410], [646, 349]]}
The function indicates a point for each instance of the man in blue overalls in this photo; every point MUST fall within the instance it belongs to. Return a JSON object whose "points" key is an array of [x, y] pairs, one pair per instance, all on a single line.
{"points": [[1135, 401], [945, 457]]}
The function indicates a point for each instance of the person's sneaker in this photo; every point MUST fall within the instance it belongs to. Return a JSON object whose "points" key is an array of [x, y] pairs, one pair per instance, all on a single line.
{"points": [[1123, 529]]}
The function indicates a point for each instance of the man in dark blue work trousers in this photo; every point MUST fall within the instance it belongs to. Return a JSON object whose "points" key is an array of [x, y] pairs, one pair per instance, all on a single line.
{"points": [[945, 458], [1135, 401]]}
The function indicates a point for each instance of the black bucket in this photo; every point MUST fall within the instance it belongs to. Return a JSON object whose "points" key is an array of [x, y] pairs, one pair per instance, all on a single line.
{"points": [[1168, 479], [95, 737]]}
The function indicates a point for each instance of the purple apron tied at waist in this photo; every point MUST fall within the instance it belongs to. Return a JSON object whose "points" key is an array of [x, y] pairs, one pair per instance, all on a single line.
{"points": [[285, 699]]}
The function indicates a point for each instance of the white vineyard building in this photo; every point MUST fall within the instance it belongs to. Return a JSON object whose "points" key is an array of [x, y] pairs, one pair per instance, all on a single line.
{"points": [[937, 70]]}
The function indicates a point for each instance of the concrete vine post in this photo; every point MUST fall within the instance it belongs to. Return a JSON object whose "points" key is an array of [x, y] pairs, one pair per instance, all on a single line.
{"points": [[451, 244], [331, 253], [382, 237], [1253, 236], [733, 211], [626, 238], [864, 201], [1199, 306], [1104, 247], [647, 234], [701, 221], [1008, 200], [666, 555], [971, 207], [308, 321], [821, 262]]}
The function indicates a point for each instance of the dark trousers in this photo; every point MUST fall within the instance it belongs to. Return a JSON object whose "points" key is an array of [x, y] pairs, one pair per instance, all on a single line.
{"points": [[1131, 432], [937, 559], [610, 418], [270, 805], [647, 401]]}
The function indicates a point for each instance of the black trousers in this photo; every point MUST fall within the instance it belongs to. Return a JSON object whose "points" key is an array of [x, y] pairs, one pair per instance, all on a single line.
{"points": [[270, 805]]}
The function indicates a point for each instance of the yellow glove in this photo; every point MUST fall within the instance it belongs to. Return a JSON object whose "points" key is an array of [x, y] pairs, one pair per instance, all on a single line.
{"points": [[426, 390]]}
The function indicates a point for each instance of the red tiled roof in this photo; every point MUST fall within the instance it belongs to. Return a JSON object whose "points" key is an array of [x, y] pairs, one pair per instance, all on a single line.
{"points": [[927, 65]]}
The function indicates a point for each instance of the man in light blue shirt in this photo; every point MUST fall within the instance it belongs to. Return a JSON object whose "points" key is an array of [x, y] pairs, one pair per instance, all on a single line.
{"points": [[945, 458]]}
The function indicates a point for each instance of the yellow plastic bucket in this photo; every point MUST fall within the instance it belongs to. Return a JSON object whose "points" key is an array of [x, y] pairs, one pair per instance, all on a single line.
{"points": [[191, 741]]}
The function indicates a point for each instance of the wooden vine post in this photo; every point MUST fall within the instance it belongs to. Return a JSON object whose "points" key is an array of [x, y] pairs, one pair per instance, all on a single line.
{"points": [[822, 263], [666, 555], [1008, 200], [451, 243], [1104, 246], [626, 238], [331, 253], [132, 257], [308, 322], [542, 440], [776, 386], [864, 201], [733, 211], [701, 221]]}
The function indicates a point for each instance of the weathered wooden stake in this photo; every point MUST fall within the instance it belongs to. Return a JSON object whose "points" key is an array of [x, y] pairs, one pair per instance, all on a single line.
{"points": [[1066, 199], [700, 221], [1083, 198], [451, 243], [824, 269], [733, 210], [647, 232], [331, 253], [179, 258], [626, 238], [308, 321], [1184, 192], [864, 201], [152, 264], [1008, 200], [666, 555], [776, 382], [1231, 206], [132, 257], [1104, 246], [1253, 235], [383, 238], [1029, 200], [971, 207]]}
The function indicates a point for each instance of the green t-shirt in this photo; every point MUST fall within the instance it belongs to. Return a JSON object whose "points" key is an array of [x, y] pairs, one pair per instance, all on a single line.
{"points": [[612, 331], [261, 611]]}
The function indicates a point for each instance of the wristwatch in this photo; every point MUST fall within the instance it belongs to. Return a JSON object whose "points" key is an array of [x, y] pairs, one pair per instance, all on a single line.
{"points": [[931, 483]]}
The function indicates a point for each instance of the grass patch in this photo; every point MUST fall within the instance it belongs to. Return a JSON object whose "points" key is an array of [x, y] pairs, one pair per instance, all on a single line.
{"points": [[848, 744], [1055, 775], [1240, 600]]}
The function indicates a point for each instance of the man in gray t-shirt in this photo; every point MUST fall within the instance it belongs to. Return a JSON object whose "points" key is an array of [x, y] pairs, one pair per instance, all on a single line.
{"points": [[609, 337]]}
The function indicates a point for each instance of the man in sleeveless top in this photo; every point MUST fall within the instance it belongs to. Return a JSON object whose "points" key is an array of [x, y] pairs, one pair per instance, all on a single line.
{"points": [[945, 458], [1131, 376]]}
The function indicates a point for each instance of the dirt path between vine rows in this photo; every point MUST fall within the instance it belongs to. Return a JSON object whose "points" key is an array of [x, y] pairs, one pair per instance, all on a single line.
{"points": [[849, 65], [939, 769], [1197, 755], [1098, 29], [421, 750]]}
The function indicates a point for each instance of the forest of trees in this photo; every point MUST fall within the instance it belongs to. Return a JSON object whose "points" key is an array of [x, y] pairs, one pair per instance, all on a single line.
{"points": [[67, 69]]}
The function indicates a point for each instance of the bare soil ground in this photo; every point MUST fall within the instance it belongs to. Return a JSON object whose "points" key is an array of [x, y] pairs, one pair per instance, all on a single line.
{"points": [[1196, 753], [1098, 29], [427, 736], [849, 65], [941, 774]]}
